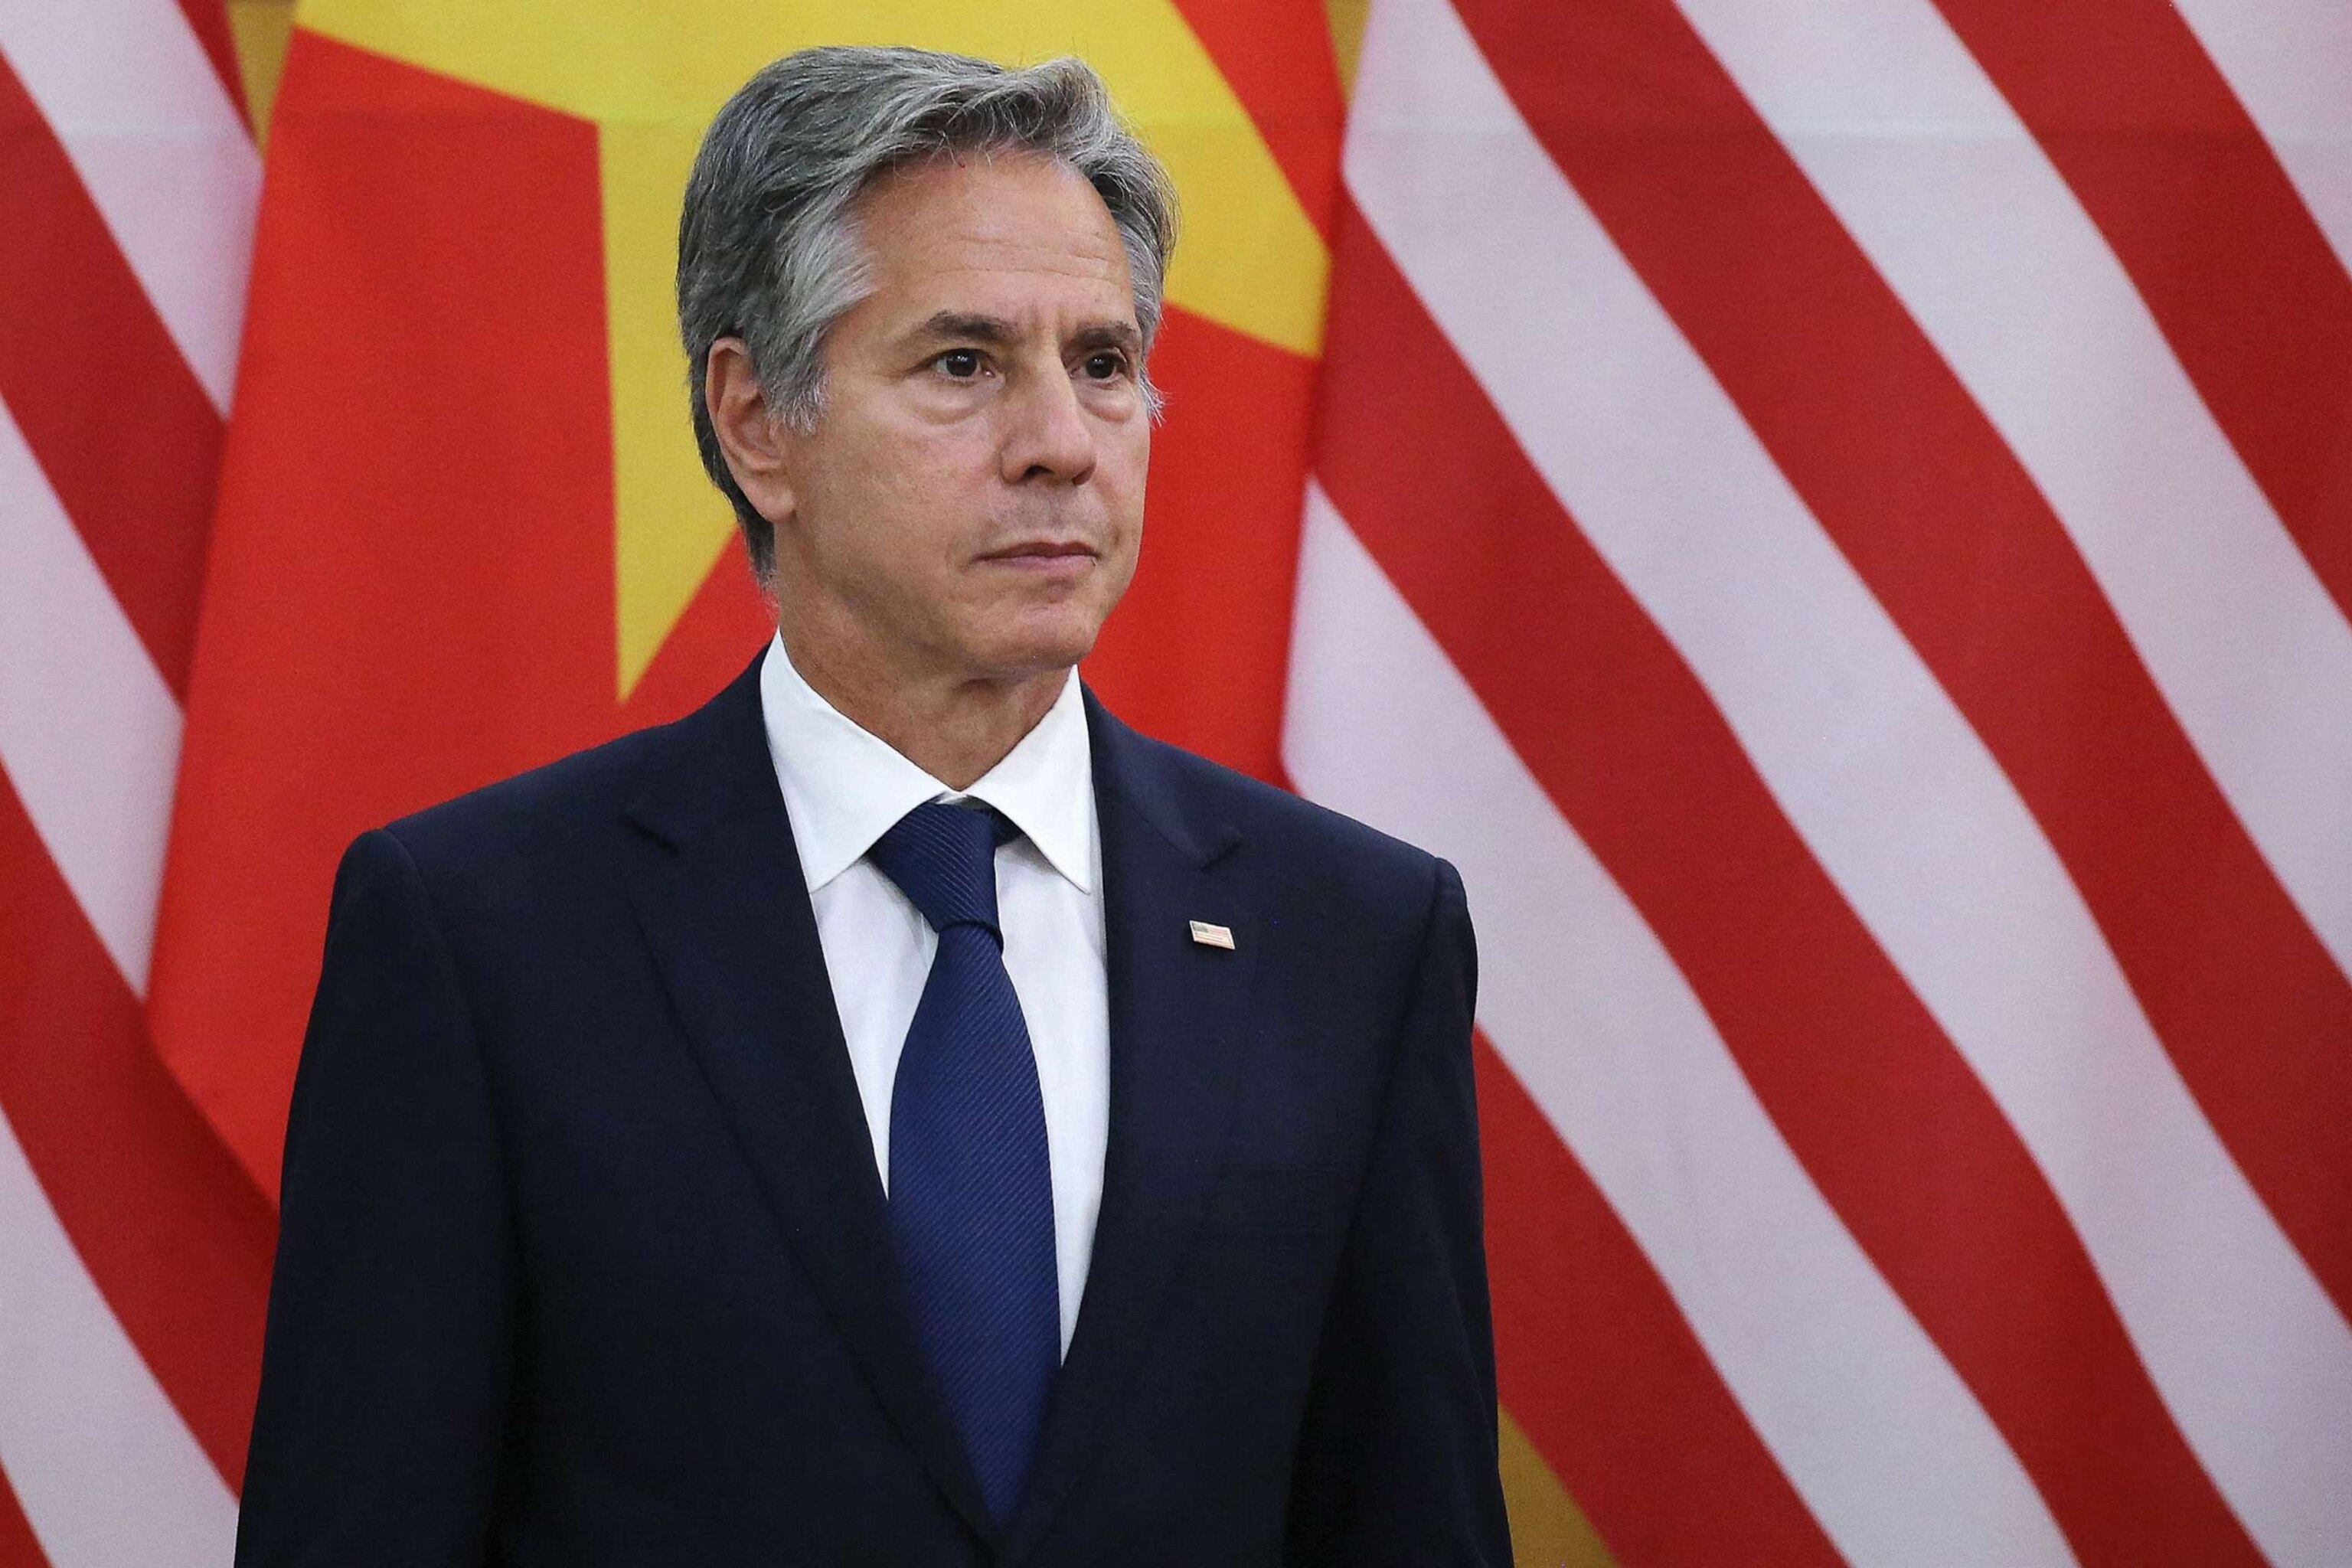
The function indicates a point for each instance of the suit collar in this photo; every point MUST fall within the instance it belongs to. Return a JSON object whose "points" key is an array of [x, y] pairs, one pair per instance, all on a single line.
{"points": [[1179, 1013], [725, 911], [704, 775], [1143, 776]]}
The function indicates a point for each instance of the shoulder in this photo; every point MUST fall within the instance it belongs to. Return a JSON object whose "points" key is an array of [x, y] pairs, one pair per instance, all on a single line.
{"points": [[575, 814], [574, 795]]}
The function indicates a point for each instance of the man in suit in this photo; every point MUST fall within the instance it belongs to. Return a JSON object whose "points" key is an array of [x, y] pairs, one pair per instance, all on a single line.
{"points": [[895, 1115]]}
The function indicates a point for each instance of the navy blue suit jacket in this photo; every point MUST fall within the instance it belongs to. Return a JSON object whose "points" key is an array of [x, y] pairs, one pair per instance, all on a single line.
{"points": [[586, 1261]]}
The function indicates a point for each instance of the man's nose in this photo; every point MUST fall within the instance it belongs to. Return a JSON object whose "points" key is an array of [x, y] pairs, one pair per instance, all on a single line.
{"points": [[1047, 434]]}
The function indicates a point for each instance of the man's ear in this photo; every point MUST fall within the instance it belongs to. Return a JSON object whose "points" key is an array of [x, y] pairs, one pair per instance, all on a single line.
{"points": [[746, 430]]}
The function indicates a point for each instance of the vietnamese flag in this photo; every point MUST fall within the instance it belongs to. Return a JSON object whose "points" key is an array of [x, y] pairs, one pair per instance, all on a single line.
{"points": [[462, 530]]}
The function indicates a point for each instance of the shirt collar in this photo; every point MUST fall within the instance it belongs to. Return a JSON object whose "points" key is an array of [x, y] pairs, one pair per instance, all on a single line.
{"points": [[844, 786]]}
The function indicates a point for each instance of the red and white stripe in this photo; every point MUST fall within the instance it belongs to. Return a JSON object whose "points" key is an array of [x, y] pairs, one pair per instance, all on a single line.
{"points": [[163, 151], [132, 1254], [1816, 518], [2287, 62]]}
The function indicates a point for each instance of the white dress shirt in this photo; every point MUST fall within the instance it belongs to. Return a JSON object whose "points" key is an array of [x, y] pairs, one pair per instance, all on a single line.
{"points": [[843, 788]]}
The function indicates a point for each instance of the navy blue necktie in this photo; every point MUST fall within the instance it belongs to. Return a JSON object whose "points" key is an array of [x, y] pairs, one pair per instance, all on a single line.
{"points": [[971, 1193]]}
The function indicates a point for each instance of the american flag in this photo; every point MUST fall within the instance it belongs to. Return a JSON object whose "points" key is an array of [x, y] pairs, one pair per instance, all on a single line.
{"points": [[133, 1252], [1837, 515]]}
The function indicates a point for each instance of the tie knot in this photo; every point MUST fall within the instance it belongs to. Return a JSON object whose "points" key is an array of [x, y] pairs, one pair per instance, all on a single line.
{"points": [[943, 858]]}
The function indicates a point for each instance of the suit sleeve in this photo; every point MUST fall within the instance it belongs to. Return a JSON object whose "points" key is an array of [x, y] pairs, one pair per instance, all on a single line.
{"points": [[1397, 1463], [388, 1355]]}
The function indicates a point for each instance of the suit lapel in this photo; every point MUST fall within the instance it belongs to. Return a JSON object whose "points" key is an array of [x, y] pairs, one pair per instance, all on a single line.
{"points": [[1178, 1016], [725, 910]]}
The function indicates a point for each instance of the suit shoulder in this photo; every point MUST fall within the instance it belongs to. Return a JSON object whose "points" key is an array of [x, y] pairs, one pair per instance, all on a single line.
{"points": [[586, 786], [540, 833], [553, 820]]}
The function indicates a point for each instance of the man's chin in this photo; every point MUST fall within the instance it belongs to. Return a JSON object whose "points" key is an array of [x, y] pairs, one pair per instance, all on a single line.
{"points": [[1039, 650]]}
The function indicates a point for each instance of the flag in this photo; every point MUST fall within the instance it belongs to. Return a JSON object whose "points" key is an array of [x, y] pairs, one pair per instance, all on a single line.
{"points": [[1837, 516], [133, 1251]]}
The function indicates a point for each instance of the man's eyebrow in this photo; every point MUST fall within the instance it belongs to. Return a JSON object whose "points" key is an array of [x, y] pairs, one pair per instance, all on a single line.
{"points": [[996, 331], [991, 330], [1109, 335]]}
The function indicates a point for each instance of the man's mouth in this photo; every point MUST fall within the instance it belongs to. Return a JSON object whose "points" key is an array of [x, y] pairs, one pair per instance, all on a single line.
{"points": [[1040, 548], [1041, 553]]}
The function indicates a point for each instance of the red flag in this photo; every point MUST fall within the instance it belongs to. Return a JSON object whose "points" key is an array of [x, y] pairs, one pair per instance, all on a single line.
{"points": [[461, 528]]}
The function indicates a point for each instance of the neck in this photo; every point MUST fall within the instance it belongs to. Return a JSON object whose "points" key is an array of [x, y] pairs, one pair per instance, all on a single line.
{"points": [[954, 728]]}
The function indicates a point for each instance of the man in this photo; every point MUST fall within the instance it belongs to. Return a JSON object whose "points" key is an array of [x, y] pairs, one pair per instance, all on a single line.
{"points": [[895, 1115]]}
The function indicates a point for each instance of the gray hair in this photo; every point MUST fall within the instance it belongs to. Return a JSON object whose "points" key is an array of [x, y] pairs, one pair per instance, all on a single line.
{"points": [[768, 249]]}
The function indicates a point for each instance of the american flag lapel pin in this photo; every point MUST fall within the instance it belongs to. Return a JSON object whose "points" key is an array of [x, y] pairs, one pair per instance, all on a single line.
{"points": [[1208, 935]]}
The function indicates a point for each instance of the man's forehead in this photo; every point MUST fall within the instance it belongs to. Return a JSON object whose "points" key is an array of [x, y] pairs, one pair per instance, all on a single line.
{"points": [[1003, 212], [994, 249]]}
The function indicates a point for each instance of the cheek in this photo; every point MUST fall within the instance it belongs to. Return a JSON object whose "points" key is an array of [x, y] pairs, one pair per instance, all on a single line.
{"points": [[941, 476], [1125, 462], [896, 509]]}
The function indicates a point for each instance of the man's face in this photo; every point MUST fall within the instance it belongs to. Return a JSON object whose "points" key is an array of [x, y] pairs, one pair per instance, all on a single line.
{"points": [[972, 497]]}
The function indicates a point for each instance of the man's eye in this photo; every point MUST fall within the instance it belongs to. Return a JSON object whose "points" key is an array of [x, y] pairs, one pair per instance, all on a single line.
{"points": [[961, 364], [1106, 365]]}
